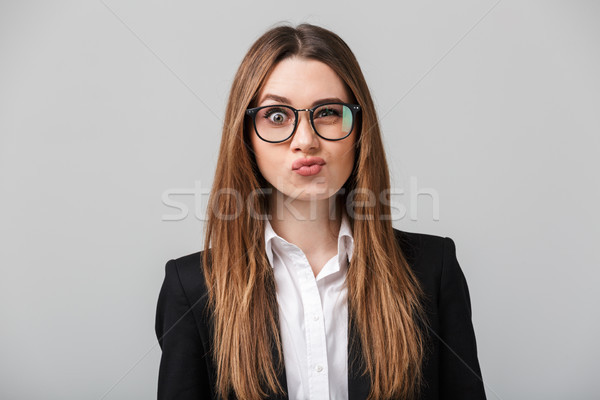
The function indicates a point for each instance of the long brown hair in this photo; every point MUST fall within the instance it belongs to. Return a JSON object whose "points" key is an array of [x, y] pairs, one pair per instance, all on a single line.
{"points": [[384, 296]]}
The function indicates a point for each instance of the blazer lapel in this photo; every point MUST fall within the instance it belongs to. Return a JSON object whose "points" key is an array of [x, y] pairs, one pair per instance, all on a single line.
{"points": [[281, 377], [358, 386]]}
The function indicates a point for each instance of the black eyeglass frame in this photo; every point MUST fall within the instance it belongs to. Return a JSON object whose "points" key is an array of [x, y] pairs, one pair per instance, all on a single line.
{"points": [[355, 108]]}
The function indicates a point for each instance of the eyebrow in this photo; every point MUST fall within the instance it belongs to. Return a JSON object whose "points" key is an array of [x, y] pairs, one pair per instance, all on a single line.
{"points": [[285, 100]]}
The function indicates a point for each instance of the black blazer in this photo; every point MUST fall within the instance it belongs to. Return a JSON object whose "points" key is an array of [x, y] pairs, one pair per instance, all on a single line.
{"points": [[451, 369]]}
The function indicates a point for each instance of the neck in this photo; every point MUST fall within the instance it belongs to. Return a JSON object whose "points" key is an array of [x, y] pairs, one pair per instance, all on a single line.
{"points": [[312, 225]]}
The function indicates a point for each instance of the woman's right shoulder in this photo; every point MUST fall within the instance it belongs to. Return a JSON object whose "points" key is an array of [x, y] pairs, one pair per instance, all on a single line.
{"points": [[189, 265], [188, 271]]}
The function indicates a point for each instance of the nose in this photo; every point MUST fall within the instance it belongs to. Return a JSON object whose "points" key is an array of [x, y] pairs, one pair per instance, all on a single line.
{"points": [[305, 137]]}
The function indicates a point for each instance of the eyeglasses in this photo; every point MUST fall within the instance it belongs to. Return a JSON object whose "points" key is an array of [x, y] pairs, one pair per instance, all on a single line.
{"points": [[277, 123]]}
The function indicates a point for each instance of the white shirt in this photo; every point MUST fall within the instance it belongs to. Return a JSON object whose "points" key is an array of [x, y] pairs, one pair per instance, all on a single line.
{"points": [[313, 316]]}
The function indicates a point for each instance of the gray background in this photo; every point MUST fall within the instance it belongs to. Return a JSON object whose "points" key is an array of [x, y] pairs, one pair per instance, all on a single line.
{"points": [[107, 107]]}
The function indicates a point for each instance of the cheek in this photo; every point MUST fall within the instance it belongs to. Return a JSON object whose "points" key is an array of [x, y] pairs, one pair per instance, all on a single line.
{"points": [[257, 148], [266, 159], [347, 159]]}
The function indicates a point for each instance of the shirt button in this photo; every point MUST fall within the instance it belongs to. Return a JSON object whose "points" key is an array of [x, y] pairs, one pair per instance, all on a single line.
{"points": [[319, 368], [315, 317]]}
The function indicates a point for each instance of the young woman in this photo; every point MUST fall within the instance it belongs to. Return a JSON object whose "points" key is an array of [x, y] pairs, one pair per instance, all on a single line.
{"points": [[304, 290]]}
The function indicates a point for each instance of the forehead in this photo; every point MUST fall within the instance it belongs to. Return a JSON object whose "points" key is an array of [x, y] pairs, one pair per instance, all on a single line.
{"points": [[303, 81]]}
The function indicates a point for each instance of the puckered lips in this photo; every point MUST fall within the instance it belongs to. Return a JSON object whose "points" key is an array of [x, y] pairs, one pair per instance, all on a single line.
{"points": [[308, 166]]}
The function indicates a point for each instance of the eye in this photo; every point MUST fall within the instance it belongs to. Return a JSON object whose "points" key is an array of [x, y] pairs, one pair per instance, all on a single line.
{"points": [[328, 111], [276, 115]]}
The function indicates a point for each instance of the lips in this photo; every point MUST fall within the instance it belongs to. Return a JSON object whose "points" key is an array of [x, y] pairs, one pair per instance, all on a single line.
{"points": [[308, 166], [307, 162]]}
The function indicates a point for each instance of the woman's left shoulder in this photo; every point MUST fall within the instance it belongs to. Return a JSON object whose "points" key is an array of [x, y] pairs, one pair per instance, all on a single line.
{"points": [[423, 250], [453, 367], [431, 257]]}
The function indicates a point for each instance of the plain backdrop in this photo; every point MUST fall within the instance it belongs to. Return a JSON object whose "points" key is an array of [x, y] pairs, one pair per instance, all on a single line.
{"points": [[112, 110]]}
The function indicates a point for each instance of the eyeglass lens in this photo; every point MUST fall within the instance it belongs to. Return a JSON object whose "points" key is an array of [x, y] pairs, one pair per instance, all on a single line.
{"points": [[332, 121]]}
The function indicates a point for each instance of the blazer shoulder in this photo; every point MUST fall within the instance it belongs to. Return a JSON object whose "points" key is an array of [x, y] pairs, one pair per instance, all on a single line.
{"points": [[189, 262], [452, 367], [190, 272], [421, 247], [427, 255]]}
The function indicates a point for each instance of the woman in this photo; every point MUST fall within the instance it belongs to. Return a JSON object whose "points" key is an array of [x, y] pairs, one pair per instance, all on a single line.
{"points": [[306, 291]]}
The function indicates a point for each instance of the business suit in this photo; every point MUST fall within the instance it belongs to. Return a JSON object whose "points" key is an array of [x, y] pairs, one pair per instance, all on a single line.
{"points": [[451, 369]]}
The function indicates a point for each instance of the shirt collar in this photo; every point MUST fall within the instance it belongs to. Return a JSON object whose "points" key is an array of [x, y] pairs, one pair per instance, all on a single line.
{"points": [[269, 235], [345, 239]]}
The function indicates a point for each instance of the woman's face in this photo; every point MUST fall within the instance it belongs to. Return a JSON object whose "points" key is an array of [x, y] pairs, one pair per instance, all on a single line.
{"points": [[303, 82]]}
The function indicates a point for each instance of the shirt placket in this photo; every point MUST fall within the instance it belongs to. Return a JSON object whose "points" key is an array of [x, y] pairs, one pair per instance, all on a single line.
{"points": [[316, 345]]}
